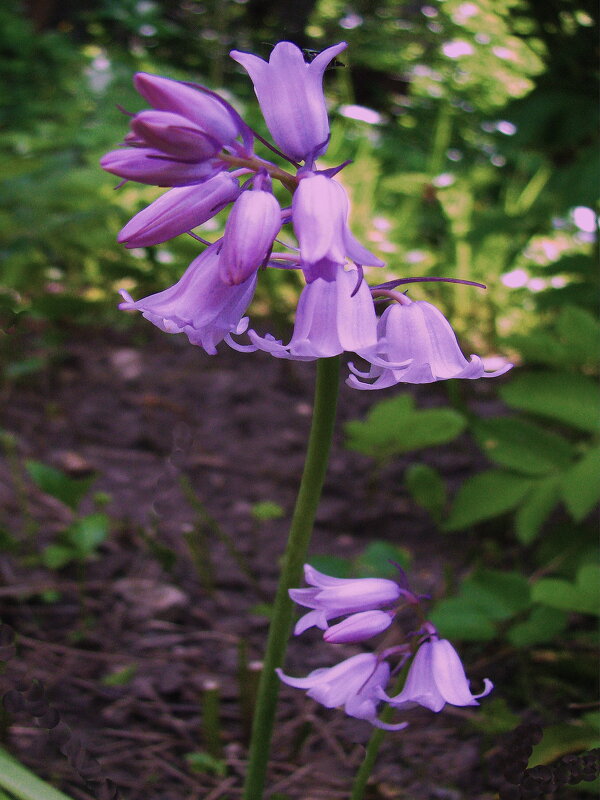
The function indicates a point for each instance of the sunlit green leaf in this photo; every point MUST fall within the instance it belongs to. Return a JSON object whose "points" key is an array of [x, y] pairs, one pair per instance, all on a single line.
{"points": [[582, 596]]}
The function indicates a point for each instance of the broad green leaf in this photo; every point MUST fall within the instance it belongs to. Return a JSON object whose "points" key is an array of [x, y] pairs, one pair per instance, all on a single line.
{"points": [[569, 398], [558, 740], [56, 556], [427, 488], [395, 426], [522, 446], [534, 510], [580, 331], [500, 595], [87, 533], [24, 784], [542, 625], [378, 561], [69, 491], [583, 596], [581, 485], [486, 495], [457, 619]]}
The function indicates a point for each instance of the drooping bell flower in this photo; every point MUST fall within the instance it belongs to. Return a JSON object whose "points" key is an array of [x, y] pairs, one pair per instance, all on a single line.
{"points": [[320, 217], [333, 597], [355, 683], [199, 304], [290, 94], [179, 210], [436, 677], [330, 318], [147, 165], [420, 332], [250, 230]]}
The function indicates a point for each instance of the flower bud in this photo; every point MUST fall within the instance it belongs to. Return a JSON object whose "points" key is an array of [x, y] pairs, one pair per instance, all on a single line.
{"points": [[250, 230], [358, 627]]}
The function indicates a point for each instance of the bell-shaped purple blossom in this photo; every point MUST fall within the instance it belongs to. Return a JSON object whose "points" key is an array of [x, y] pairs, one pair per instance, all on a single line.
{"points": [[250, 230], [290, 93], [420, 332], [320, 216], [331, 317], [355, 683], [358, 627], [333, 597], [179, 210], [209, 113], [199, 304], [436, 677]]}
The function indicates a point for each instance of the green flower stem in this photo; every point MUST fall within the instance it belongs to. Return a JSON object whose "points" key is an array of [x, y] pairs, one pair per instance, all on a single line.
{"points": [[23, 784], [315, 466]]}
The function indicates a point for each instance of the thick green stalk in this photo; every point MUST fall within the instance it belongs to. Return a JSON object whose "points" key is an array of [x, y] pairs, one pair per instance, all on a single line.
{"points": [[315, 466]]}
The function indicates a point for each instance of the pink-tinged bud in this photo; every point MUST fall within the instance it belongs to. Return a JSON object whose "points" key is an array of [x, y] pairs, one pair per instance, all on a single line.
{"points": [[151, 166], [334, 597], [214, 117], [290, 93], [436, 677], [173, 134], [320, 216], [179, 210], [358, 627], [250, 230], [419, 332], [356, 683]]}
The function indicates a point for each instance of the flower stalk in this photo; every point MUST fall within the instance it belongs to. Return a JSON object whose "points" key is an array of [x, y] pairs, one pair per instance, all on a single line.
{"points": [[309, 493]]}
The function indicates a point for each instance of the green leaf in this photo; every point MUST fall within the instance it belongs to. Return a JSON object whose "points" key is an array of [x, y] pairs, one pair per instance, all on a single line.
{"points": [[580, 331], [427, 488], [120, 677], [542, 625], [581, 485], [583, 596], [486, 495], [23, 784], [87, 533], [457, 619], [267, 510], [500, 595], [536, 507], [69, 491], [394, 427], [56, 556], [204, 762], [569, 398], [522, 446], [376, 561], [559, 740]]}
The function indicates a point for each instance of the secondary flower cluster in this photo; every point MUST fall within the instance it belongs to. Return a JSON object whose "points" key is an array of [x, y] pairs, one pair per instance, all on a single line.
{"points": [[196, 143], [435, 676]]}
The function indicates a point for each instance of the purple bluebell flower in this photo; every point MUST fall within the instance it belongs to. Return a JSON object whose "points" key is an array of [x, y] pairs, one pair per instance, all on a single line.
{"points": [[175, 144], [250, 230], [179, 210], [147, 165], [199, 304], [291, 98], [358, 627], [330, 318], [436, 677], [355, 683], [334, 597], [320, 216], [209, 113], [417, 331]]}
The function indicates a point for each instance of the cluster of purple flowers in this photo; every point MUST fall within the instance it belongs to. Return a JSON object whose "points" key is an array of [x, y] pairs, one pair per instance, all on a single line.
{"points": [[435, 676], [195, 142]]}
